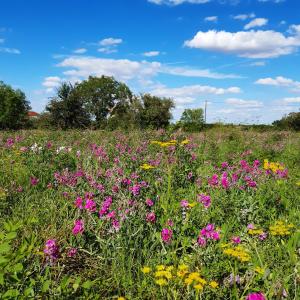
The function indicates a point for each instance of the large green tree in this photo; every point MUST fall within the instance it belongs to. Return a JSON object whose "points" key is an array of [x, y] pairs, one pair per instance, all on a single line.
{"points": [[155, 112], [105, 97], [67, 109], [291, 121], [13, 108], [192, 119]]}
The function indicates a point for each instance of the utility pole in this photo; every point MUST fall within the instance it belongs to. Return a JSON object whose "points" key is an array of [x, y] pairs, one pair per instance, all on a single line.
{"points": [[205, 112]]}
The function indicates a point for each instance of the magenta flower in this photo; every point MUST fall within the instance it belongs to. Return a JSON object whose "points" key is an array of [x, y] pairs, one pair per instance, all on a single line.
{"points": [[184, 203], [90, 205], [213, 181], [151, 218], [78, 203], [51, 250], [205, 200], [225, 181], [166, 235], [224, 164], [34, 181], [149, 202], [263, 236], [72, 252], [236, 239], [170, 223], [201, 241], [78, 227], [256, 296]]}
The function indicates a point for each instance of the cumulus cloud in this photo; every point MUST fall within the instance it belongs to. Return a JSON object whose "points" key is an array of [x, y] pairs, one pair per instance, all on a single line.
{"points": [[258, 22], [109, 45], [125, 69], [281, 82], [151, 53], [177, 2], [244, 17], [251, 44], [80, 51], [189, 93], [291, 100], [51, 82], [243, 103], [211, 19]]}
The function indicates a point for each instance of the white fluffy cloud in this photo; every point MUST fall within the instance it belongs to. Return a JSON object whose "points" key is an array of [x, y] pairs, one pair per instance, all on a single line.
{"points": [[189, 93], [257, 22], [151, 53], [244, 17], [291, 100], [125, 69], [280, 81], [211, 19], [109, 45], [243, 103], [51, 82], [251, 44], [177, 2]]}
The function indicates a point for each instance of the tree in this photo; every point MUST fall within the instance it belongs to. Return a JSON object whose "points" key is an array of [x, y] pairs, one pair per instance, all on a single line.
{"points": [[13, 108], [155, 112], [291, 121], [104, 97], [192, 119], [66, 109]]}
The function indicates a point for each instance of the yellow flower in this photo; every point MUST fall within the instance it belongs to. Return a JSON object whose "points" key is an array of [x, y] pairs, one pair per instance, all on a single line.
{"points": [[259, 270], [194, 275], [193, 204], [181, 273], [183, 267], [198, 287], [184, 142], [121, 298], [146, 167], [298, 183], [161, 282], [188, 281], [160, 267], [281, 229], [255, 231], [213, 284], [238, 252], [165, 274], [170, 268], [146, 270]]}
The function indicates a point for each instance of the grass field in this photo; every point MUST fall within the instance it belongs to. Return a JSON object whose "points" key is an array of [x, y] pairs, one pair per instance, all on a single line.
{"points": [[150, 215]]}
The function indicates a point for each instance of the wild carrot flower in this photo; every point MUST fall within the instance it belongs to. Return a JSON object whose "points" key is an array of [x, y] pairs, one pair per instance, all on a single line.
{"points": [[166, 235], [78, 227]]}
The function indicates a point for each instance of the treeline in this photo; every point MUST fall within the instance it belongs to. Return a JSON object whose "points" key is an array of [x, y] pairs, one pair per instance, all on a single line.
{"points": [[104, 103]]}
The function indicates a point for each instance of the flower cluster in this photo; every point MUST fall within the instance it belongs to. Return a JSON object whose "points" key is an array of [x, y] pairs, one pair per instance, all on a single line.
{"points": [[208, 233], [51, 250], [281, 229], [238, 252]]}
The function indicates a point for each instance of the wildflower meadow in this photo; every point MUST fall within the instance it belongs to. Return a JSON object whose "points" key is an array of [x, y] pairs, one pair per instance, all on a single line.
{"points": [[150, 215]]}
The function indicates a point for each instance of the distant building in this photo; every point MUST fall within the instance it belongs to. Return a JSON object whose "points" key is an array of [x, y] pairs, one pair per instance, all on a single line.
{"points": [[33, 114]]}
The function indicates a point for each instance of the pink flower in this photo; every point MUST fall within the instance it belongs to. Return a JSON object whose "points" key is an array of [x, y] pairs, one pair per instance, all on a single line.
{"points": [[225, 181], [90, 205], [151, 218], [224, 164], [72, 252], [166, 235], [78, 203], [213, 181], [205, 200], [170, 223], [201, 241], [79, 227], [34, 181], [236, 239], [256, 296], [250, 226], [184, 203], [263, 236], [51, 249], [149, 202]]}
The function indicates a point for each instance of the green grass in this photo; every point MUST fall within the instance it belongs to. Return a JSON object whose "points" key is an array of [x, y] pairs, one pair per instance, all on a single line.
{"points": [[108, 262]]}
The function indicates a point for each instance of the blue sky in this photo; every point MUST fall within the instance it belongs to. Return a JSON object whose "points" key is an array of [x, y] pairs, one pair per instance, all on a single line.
{"points": [[242, 56]]}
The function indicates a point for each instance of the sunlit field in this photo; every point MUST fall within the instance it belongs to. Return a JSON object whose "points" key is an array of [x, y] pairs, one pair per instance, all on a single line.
{"points": [[150, 215]]}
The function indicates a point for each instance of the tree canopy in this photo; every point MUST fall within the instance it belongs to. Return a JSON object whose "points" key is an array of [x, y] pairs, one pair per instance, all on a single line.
{"points": [[14, 108]]}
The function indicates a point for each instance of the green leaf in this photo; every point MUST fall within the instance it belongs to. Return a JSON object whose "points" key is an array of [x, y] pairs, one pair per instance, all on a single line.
{"points": [[87, 285], [46, 286], [17, 268], [11, 235], [11, 294], [5, 248]]}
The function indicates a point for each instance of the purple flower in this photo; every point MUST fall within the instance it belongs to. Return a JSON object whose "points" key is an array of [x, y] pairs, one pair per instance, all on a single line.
{"points": [[263, 236], [225, 181], [78, 227], [201, 241], [90, 205], [78, 203], [205, 200], [51, 250], [166, 235], [184, 203], [34, 181]]}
